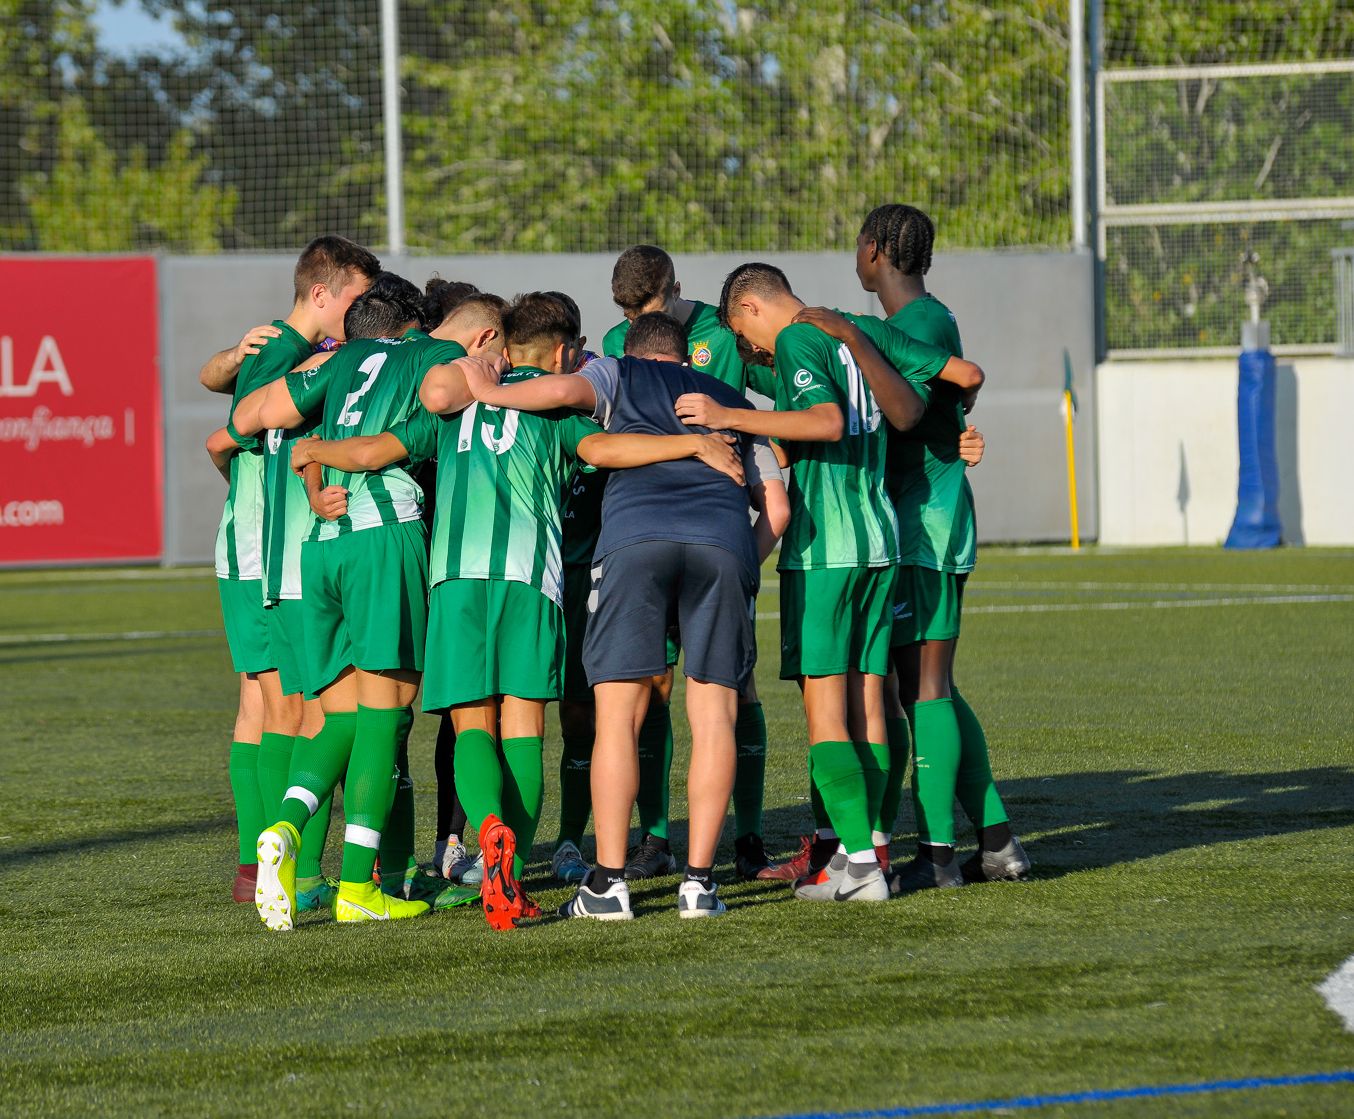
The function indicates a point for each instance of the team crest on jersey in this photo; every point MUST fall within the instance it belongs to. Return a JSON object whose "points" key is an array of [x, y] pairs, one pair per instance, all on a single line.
{"points": [[700, 356], [803, 378]]}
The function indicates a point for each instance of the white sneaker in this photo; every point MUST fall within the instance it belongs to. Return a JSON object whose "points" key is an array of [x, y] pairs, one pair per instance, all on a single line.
{"points": [[614, 905], [473, 874], [843, 880], [453, 859], [567, 863], [694, 900]]}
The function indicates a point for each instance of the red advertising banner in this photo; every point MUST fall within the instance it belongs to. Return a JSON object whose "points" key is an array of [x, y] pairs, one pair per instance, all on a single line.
{"points": [[81, 461]]}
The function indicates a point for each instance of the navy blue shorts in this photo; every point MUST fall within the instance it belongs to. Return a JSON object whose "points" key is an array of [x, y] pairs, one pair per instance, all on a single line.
{"points": [[641, 590]]}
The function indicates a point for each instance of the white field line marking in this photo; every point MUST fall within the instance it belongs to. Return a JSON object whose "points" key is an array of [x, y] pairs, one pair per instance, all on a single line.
{"points": [[111, 575], [1143, 604], [1338, 991], [131, 635]]}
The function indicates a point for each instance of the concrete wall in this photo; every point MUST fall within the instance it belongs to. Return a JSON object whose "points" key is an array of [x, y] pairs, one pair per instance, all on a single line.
{"points": [[1168, 450], [1017, 312]]}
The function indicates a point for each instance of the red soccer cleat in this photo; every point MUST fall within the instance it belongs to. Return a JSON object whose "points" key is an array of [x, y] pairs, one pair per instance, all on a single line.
{"points": [[500, 892], [246, 882]]}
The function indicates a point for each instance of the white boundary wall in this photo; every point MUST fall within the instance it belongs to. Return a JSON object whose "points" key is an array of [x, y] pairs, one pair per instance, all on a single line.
{"points": [[1167, 450]]}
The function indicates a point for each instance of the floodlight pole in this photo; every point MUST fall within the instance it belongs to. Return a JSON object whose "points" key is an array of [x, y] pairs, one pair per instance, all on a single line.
{"points": [[390, 116], [1076, 85]]}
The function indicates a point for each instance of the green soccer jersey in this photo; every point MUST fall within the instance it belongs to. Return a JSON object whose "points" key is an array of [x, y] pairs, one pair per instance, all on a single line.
{"points": [[713, 349], [927, 479], [367, 388], [239, 539], [500, 476], [287, 517]]}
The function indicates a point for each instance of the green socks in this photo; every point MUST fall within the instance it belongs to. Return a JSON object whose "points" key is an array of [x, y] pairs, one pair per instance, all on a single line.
{"points": [[575, 788], [900, 746], [655, 765], [479, 776], [316, 766], [274, 766], [313, 838], [974, 785], [837, 773], [874, 765], [244, 788], [936, 730], [749, 775], [523, 792], [397, 837], [370, 789]]}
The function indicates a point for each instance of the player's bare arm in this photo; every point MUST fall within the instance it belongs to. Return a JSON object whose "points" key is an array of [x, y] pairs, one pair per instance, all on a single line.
{"points": [[364, 453], [540, 394], [221, 448], [821, 423], [329, 502], [971, 446], [221, 369], [772, 503], [897, 399], [445, 390], [619, 451], [273, 401]]}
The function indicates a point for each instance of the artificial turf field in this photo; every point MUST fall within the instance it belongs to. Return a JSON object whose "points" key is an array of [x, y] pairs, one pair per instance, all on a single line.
{"points": [[1172, 732]]}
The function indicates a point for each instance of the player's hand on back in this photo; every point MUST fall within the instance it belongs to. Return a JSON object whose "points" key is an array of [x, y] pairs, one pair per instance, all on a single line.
{"points": [[256, 337], [828, 321], [331, 503], [719, 452], [971, 446], [482, 372], [695, 409]]}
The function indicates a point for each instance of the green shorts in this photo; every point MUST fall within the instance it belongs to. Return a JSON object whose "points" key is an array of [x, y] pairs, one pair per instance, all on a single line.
{"points": [[287, 639], [927, 605], [577, 587], [835, 620], [366, 601], [491, 637], [246, 624]]}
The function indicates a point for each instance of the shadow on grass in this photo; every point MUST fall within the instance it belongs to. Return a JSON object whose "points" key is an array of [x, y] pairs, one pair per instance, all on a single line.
{"points": [[1080, 821], [11, 858]]}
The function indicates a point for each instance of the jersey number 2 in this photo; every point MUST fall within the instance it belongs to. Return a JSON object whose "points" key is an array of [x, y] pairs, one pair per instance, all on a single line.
{"points": [[372, 366]]}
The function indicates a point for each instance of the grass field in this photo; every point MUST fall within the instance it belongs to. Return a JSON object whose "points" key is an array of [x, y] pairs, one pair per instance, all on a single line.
{"points": [[1173, 733]]}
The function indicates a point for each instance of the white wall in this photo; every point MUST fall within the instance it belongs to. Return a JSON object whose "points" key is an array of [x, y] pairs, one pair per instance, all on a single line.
{"points": [[1167, 450]]}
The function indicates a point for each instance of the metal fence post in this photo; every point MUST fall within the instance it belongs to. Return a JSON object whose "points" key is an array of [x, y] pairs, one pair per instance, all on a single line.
{"points": [[390, 115]]}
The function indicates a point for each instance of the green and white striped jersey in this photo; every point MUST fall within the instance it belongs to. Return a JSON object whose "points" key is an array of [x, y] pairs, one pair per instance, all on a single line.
{"points": [[366, 388], [287, 517], [927, 479], [239, 539], [840, 512], [500, 473]]}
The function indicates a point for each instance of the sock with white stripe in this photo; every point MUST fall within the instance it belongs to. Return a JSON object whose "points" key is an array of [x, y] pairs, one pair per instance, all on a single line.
{"points": [[316, 766], [370, 789]]}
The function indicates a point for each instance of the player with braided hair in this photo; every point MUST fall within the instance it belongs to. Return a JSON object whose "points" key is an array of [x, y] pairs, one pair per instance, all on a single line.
{"points": [[927, 483]]}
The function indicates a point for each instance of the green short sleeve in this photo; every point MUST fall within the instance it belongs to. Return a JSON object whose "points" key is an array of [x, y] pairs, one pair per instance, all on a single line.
{"points": [[613, 342], [418, 435], [574, 429], [803, 361], [307, 390]]}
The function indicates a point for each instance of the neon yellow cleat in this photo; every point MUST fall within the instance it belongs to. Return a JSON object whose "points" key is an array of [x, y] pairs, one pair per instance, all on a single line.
{"points": [[275, 893], [364, 901]]}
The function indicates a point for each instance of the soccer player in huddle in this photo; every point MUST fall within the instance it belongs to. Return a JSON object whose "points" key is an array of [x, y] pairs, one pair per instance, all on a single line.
{"points": [[934, 502], [676, 540], [842, 546], [644, 280], [330, 273], [365, 579]]}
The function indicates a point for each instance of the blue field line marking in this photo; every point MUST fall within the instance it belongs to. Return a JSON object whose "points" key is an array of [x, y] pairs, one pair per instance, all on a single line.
{"points": [[1104, 1095]]}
